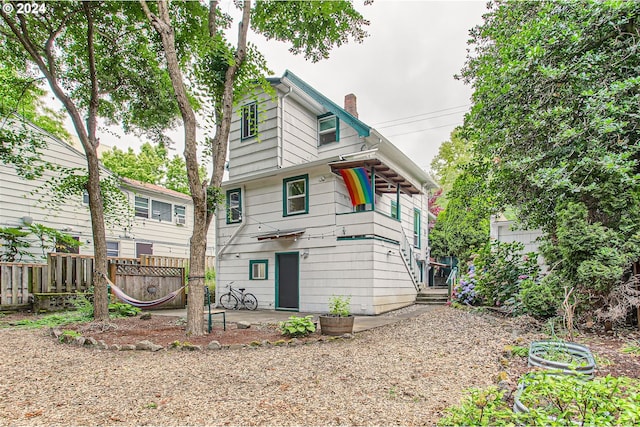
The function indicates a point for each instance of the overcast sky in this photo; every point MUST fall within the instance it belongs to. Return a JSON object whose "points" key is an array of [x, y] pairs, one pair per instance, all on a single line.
{"points": [[402, 74]]}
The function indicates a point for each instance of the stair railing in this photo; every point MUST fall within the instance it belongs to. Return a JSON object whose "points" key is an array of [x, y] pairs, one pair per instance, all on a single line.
{"points": [[407, 254], [452, 280]]}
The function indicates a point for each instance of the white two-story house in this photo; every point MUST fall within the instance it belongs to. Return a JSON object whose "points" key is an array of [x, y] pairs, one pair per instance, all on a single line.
{"points": [[318, 204], [160, 220]]}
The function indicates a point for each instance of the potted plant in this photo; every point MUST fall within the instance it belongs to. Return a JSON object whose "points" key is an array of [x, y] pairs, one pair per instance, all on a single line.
{"points": [[339, 321]]}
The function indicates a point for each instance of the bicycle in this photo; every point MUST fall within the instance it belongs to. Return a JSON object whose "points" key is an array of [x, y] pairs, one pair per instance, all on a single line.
{"points": [[235, 296]]}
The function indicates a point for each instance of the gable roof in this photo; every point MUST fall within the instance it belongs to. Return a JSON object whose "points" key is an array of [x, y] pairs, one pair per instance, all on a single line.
{"points": [[153, 188], [288, 77]]}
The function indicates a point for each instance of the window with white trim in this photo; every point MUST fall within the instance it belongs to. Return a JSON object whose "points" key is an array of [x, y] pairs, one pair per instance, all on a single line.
{"points": [[113, 249], [161, 211], [142, 207]]}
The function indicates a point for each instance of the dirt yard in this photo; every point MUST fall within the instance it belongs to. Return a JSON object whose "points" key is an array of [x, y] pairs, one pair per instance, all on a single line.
{"points": [[402, 374]]}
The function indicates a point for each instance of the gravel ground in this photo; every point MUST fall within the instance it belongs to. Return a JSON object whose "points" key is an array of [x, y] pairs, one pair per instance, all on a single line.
{"points": [[404, 374]]}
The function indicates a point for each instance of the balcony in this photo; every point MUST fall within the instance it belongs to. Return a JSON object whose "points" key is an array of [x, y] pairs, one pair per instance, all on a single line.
{"points": [[368, 223]]}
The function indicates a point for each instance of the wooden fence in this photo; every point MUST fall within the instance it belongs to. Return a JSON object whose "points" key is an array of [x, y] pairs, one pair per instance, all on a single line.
{"points": [[16, 282], [147, 283], [65, 273]]}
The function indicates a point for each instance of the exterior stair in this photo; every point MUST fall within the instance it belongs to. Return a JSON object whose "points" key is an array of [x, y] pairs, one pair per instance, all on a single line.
{"points": [[433, 296]]}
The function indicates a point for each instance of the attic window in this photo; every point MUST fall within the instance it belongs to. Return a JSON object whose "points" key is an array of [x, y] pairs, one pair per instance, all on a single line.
{"points": [[328, 129]]}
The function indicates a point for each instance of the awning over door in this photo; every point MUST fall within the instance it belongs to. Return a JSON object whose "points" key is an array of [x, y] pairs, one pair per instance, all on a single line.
{"points": [[281, 234], [386, 179]]}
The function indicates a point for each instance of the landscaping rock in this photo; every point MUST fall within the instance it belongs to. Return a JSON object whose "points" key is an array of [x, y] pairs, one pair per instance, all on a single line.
{"points": [[147, 345], [127, 347], [146, 316], [191, 347], [90, 341], [214, 345], [244, 325], [236, 346], [115, 347], [55, 332], [102, 345], [79, 341]]}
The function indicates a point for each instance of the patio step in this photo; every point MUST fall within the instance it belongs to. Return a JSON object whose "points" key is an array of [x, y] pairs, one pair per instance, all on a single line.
{"points": [[432, 297]]}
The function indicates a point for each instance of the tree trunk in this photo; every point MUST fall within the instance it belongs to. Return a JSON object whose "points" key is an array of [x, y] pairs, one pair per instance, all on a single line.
{"points": [[201, 217], [100, 295]]}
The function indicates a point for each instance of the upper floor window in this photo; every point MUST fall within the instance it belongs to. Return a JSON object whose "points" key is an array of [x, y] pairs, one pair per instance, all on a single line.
{"points": [[142, 207], [328, 129], [181, 214], [161, 211], [249, 121], [295, 196], [234, 206]]}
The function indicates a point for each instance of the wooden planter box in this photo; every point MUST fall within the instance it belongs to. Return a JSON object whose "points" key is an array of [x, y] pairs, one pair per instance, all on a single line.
{"points": [[336, 325]]}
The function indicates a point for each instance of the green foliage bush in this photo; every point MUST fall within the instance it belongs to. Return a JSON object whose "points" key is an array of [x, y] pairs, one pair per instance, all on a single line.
{"points": [[552, 400], [297, 326], [541, 298], [340, 306], [499, 270]]}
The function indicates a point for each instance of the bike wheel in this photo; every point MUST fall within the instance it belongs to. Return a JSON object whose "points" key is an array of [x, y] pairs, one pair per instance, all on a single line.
{"points": [[250, 301], [229, 301]]}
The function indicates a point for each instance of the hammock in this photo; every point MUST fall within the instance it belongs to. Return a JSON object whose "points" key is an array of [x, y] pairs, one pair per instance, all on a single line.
{"points": [[119, 293]]}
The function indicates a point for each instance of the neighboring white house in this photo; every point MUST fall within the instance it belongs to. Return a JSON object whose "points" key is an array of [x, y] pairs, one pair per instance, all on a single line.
{"points": [[319, 204], [503, 230], [161, 221]]}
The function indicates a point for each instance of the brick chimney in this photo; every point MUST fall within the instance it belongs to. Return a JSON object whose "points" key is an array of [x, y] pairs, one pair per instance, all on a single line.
{"points": [[350, 105]]}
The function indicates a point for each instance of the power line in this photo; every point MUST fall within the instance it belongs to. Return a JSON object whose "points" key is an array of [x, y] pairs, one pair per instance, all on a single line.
{"points": [[423, 130], [421, 120], [422, 114]]}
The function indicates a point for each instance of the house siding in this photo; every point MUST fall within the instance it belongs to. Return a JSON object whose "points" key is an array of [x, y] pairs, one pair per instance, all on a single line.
{"points": [[339, 252], [16, 201], [361, 268]]}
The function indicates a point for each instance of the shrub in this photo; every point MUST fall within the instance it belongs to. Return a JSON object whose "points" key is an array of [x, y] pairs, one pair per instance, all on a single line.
{"points": [[540, 298], [120, 309], [553, 400], [297, 326], [340, 306], [464, 292], [479, 408], [499, 270]]}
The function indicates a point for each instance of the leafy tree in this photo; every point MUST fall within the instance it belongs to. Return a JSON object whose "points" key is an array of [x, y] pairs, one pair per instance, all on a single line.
{"points": [[222, 74], [151, 165], [148, 166], [15, 245], [463, 227], [556, 97], [21, 103], [449, 162], [99, 62]]}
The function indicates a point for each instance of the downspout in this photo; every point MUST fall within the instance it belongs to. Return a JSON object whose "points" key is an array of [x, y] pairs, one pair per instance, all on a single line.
{"points": [[281, 141]]}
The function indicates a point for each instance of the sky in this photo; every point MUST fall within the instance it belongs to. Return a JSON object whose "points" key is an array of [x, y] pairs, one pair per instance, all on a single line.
{"points": [[402, 74]]}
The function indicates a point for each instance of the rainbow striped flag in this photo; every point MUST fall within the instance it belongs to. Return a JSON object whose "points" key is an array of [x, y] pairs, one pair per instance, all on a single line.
{"points": [[358, 184]]}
